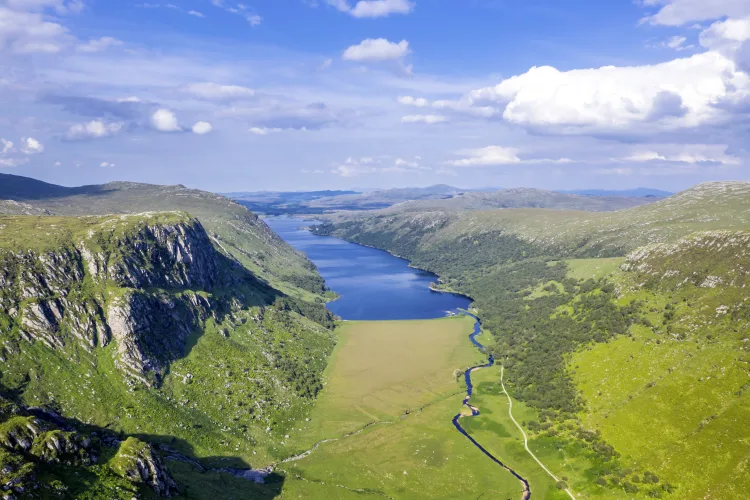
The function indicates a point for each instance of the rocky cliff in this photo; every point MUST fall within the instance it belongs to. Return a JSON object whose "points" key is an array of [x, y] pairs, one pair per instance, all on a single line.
{"points": [[144, 282]]}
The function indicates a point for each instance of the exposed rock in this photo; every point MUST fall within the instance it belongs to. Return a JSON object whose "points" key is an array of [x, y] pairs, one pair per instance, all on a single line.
{"points": [[138, 462], [136, 282]]}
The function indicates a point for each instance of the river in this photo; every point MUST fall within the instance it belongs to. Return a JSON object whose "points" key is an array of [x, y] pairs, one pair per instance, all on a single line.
{"points": [[375, 285]]}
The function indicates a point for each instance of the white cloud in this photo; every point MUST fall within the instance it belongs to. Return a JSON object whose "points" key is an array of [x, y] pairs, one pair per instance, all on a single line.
{"points": [[165, 121], [239, 9], [353, 167], [99, 44], [400, 162], [31, 146], [491, 155], [726, 36], [680, 93], [195, 13], [683, 153], [378, 49], [106, 164], [315, 171], [676, 42], [28, 32], [374, 8], [95, 129], [58, 164], [419, 102], [264, 130], [7, 146], [217, 92], [426, 119], [680, 12], [202, 128]]}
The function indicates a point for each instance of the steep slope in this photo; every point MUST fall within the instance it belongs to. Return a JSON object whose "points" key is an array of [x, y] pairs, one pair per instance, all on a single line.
{"points": [[232, 228], [140, 325]]}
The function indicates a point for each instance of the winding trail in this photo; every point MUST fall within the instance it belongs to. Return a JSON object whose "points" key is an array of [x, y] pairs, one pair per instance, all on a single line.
{"points": [[525, 438], [475, 411]]}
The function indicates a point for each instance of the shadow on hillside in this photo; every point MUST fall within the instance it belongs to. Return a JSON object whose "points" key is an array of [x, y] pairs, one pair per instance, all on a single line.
{"points": [[209, 478]]}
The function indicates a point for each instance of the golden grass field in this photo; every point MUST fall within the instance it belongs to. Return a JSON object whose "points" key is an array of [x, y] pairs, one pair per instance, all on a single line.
{"points": [[379, 371]]}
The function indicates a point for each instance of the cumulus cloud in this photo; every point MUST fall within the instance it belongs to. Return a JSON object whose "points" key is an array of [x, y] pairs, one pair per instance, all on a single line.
{"points": [[31, 146], [680, 12], [217, 92], [615, 98], [425, 119], [202, 128], [378, 49], [164, 120], [99, 44], [95, 129], [419, 102], [106, 164], [374, 8], [12, 156]]}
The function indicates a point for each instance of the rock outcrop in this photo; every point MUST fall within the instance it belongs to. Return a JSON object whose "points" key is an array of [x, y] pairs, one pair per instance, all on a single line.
{"points": [[141, 281], [137, 462]]}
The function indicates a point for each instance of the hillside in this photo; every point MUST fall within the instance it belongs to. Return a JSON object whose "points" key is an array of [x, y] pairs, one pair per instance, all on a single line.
{"points": [[632, 381], [522, 198], [232, 228], [711, 206], [138, 326]]}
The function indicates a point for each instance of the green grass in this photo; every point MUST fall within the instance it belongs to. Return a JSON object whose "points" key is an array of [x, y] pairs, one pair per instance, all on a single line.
{"points": [[583, 269], [381, 370], [378, 372]]}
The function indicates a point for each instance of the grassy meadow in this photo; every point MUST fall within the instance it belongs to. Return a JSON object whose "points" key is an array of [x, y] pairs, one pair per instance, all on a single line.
{"points": [[400, 377]]}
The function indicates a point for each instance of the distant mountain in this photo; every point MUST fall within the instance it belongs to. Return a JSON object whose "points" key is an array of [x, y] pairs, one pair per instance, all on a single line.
{"points": [[626, 193], [320, 202], [522, 198], [282, 197], [389, 197]]}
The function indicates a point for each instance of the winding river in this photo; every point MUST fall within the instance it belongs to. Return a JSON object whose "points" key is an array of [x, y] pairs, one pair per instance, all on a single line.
{"points": [[375, 285]]}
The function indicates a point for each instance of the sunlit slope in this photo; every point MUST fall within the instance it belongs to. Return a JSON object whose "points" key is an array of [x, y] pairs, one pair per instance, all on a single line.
{"points": [[675, 397], [711, 206]]}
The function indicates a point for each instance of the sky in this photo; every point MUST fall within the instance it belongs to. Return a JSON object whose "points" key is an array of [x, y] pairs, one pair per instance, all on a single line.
{"points": [[338, 94]]}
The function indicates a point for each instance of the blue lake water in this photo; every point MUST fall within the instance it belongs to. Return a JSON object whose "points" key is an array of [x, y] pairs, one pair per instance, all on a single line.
{"points": [[373, 284]]}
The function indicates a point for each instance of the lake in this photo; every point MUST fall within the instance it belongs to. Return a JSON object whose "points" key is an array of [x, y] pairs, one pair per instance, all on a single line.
{"points": [[373, 284]]}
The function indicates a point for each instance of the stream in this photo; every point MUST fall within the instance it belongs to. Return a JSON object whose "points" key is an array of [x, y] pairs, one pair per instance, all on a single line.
{"points": [[375, 285], [475, 411]]}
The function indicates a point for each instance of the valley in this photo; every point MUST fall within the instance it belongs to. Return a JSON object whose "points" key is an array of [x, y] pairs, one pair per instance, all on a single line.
{"points": [[206, 345]]}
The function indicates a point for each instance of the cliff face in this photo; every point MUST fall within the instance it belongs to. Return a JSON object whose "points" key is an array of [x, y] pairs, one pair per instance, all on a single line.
{"points": [[136, 281]]}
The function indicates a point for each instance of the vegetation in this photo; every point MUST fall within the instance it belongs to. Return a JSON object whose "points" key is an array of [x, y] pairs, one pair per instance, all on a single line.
{"points": [[383, 422], [636, 377]]}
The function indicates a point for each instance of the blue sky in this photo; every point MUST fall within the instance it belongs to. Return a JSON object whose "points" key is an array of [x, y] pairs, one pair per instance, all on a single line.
{"points": [[312, 94]]}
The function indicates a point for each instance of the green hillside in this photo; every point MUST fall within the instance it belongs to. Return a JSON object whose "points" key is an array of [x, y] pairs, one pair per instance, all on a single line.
{"points": [[634, 380], [233, 229], [192, 340]]}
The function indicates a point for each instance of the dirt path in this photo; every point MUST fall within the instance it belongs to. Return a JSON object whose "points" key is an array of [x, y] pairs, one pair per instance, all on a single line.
{"points": [[525, 438]]}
